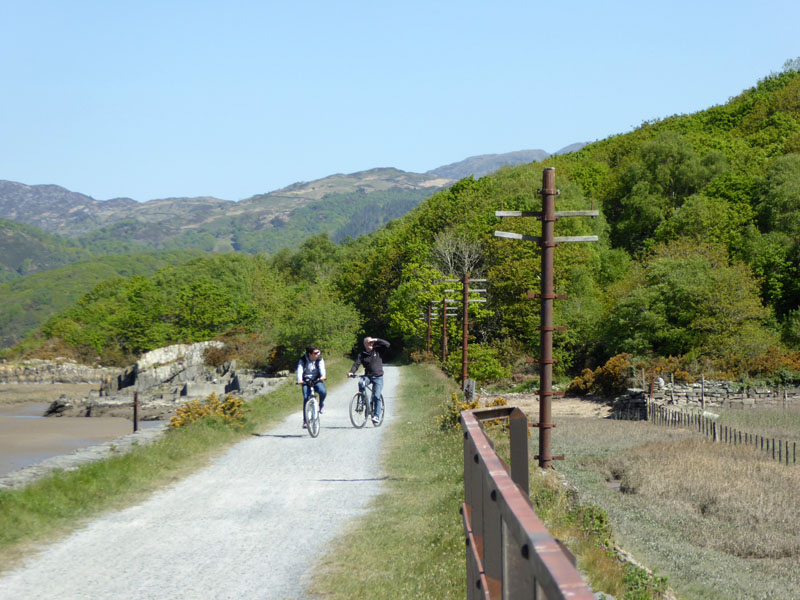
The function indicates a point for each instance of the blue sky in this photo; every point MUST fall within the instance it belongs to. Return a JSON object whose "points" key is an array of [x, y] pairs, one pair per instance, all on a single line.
{"points": [[231, 99]]}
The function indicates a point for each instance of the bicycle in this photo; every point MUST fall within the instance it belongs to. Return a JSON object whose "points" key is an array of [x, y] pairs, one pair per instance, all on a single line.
{"points": [[311, 408], [361, 407]]}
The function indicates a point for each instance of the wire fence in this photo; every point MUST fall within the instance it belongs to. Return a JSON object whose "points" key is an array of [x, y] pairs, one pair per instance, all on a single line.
{"points": [[783, 451]]}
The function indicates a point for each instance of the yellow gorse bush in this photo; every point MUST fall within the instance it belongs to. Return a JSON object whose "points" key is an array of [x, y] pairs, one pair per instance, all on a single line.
{"points": [[230, 411], [451, 411]]}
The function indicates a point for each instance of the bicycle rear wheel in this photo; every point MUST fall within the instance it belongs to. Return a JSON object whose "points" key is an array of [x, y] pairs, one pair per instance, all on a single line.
{"points": [[312, 418], [358, 410], [379, 422]]}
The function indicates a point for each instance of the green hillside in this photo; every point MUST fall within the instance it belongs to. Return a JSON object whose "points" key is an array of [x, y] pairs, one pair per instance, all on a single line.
{"points": [[25, 249], [698, 255], [29, 300], [697, 260]]}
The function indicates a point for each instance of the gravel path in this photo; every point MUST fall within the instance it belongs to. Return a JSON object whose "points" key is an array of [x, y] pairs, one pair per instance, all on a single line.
{"points": [[251, 525]]}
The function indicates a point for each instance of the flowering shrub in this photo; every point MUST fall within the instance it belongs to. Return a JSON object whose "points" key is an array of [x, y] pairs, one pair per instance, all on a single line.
{"points": [[608, 380], [229, 411], [451, 410]]}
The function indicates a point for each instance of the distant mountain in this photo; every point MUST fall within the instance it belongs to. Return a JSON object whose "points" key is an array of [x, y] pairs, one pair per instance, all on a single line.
{"points": [[485, 164], [183, 222], [340, 205], [571, 148]]}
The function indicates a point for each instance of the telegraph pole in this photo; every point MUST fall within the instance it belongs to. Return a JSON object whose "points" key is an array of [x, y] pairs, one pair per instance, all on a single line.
{"points": [[548, 242], [465, 300]]}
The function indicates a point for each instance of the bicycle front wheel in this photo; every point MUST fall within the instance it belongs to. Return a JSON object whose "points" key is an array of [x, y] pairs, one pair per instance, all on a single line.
{"points": [[379, 422], [358, 411], [312, 418]]}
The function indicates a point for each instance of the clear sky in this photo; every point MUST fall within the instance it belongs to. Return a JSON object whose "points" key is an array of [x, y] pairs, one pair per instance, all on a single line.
{"points": [[155, 99]]}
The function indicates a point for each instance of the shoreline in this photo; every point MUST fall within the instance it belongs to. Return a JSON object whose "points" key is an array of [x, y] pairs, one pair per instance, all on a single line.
{"points": [[29, 441]]}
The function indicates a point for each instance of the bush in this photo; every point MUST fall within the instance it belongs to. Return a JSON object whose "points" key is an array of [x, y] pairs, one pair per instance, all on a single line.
{"points": [[451, 412], [422, 356], [483, 364], [608, 380], [229, 411]]}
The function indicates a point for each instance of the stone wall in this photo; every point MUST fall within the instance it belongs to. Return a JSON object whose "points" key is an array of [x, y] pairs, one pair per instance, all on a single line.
{"points": [[723, 394], [705, 396]]}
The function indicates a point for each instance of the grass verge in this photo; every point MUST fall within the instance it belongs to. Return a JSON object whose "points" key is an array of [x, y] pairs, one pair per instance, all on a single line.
{"points": [[410, 544], [58, 503]]}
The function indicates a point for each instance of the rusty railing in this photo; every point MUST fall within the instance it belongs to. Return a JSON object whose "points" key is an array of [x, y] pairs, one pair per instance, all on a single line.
{"points": [[510, 553]]}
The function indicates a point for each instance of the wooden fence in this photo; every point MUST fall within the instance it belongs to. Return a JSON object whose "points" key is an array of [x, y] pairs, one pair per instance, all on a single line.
{"points": [[783, 451]]}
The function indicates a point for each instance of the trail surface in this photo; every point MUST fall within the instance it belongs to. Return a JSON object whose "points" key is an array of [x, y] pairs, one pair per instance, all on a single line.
{"points": [[251, 525]]}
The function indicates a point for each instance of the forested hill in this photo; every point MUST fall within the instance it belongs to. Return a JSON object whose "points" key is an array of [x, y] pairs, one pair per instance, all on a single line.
{"points": [[699, 251], [696, 266], [339, 205]]}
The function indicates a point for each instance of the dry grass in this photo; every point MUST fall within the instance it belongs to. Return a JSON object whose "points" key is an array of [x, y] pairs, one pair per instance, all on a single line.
{"points": [[782, 424], [744, 504], [719, 521]]}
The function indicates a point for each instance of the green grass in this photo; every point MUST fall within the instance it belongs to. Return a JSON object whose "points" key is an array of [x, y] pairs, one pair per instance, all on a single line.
{"points": [[411, 544], [58, 503]]}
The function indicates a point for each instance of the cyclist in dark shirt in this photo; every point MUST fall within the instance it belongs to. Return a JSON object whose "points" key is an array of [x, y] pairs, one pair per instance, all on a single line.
{"points": [[372, 360]]}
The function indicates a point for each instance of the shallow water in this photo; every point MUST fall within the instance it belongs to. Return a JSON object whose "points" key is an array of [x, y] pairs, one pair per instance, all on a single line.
{"points": [[26, 437]]}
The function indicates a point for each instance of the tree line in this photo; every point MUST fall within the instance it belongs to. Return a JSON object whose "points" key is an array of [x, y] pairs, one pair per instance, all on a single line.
{"points": [[697, 262]]}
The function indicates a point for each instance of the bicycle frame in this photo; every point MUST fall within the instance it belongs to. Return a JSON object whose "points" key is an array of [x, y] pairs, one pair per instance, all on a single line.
{"points": [[361, 405], [313, 424]]}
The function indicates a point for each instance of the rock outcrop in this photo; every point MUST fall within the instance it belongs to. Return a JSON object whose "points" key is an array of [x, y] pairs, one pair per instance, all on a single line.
{"points": [[59, 370], [161, 381]]}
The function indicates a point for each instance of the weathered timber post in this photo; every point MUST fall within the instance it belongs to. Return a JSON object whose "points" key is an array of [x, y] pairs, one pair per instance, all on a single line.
{"points": [[135, 412], [547, 242]]}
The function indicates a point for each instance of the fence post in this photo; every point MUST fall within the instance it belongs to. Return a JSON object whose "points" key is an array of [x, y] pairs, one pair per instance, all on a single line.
{"points": [[135, 412], [703, 392]]}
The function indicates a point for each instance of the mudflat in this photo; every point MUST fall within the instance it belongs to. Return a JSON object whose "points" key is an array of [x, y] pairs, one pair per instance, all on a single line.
{"points": [[19, 393], [26, 438]]}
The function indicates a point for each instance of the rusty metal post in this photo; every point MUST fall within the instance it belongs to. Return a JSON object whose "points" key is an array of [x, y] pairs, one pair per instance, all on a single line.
{"points": [[428, 346], [465, 329], [546, 317], [444, 330], [135, 412]]}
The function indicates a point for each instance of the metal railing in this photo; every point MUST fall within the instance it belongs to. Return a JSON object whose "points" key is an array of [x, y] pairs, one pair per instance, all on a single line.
{"points": [[510, 553]]}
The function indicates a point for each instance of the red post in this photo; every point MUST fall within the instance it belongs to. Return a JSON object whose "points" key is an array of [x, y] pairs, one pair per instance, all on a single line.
{"points": [[428, 346], [444, 330], [546, 316], [465, 329]]}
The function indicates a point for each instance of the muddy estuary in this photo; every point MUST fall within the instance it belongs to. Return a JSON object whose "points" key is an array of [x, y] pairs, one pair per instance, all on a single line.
{"points": [[26, 437]]}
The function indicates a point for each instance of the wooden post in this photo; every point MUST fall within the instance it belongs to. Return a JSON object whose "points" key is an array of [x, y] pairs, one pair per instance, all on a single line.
{"points": [[703, 392], [135, 412], [672, 388]]}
